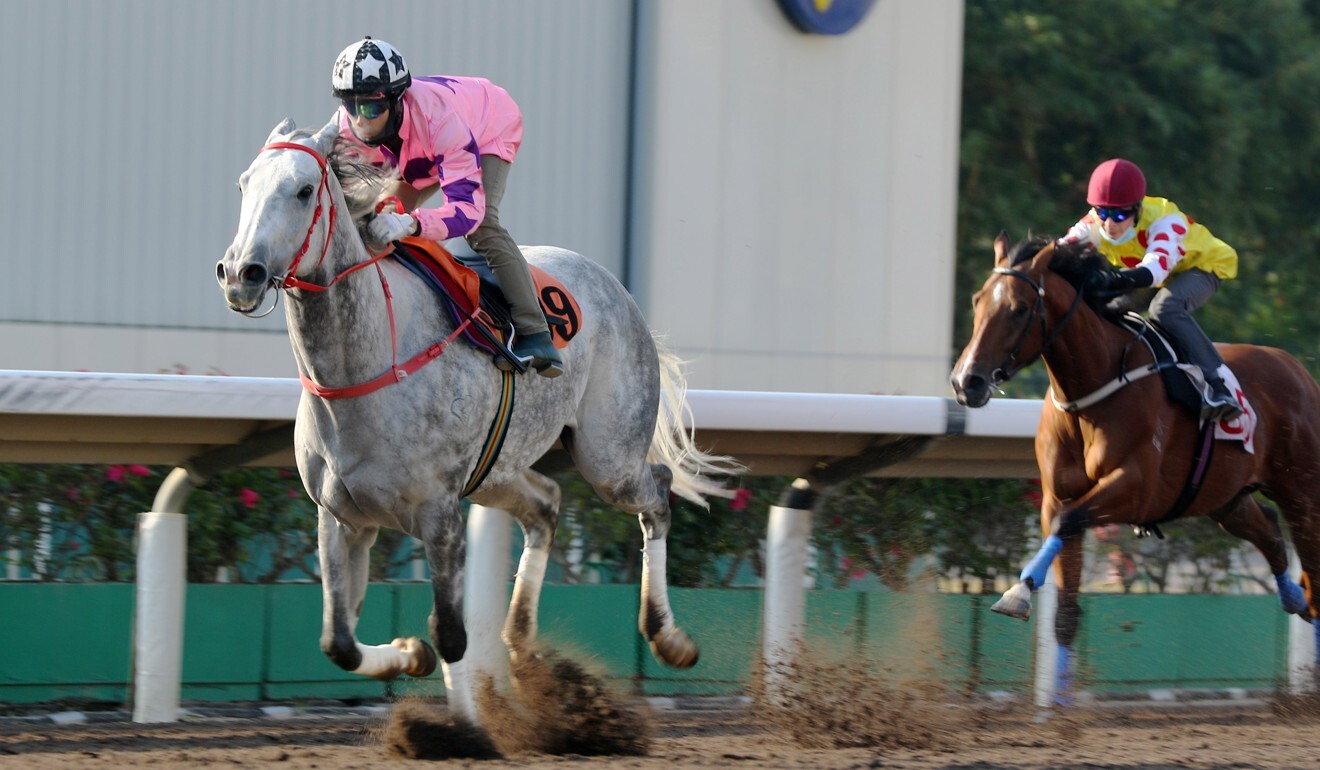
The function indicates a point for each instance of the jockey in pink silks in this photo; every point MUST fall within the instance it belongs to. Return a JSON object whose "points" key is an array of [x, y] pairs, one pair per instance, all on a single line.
{"points": [[455, 134]]}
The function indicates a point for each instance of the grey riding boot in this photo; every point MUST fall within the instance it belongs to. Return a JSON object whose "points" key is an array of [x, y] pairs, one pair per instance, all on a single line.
{"points": [[1172, 307]]}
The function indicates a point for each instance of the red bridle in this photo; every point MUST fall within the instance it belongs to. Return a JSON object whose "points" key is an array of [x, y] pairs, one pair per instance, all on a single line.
{"points": [[290, 281], [396, 371]]}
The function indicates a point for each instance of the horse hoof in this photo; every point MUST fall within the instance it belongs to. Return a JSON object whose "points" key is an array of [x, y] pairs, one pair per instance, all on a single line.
{"points": [[422, 655], [1015, 603], [675, 648]]}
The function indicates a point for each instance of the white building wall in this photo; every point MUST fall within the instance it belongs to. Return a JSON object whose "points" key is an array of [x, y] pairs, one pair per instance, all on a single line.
{"points": [[796, 194], [137, 116], [792, 227]]}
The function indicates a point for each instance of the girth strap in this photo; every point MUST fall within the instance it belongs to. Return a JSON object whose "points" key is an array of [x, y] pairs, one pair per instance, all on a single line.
{"points": [[1205, 452], [499, 429]]}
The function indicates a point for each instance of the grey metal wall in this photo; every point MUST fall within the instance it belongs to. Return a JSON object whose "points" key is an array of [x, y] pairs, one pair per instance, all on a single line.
{"points": [[796, 195], [787, 200], [129, 121]]}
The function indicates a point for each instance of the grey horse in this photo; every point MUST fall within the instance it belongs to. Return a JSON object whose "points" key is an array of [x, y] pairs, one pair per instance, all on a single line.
{"points": [[399, 456]]}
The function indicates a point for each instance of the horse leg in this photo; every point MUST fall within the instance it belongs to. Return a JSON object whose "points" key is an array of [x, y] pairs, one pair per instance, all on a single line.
{"points": [[669, 644], [1244, 518], [1016, 601], [345, 559], [1067, 616], [610, 447], [1295, 495], [534, 502], [442, 537]]}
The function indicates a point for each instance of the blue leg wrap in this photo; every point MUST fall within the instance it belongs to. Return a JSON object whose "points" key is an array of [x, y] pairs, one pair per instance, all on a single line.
{"points": [[1063, 694], [1291, 595], [1036, 570], [1315, 627]]}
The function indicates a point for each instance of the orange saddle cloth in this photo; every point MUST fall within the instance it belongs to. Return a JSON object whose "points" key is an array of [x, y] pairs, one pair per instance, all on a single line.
{"points": [[462, 284]]}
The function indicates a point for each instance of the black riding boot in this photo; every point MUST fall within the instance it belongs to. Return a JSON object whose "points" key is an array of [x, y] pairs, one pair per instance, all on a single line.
{"points": [[1220, 404], [539, 352]]}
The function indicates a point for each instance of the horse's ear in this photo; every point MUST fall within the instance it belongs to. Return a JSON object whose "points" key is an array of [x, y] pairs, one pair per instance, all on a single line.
{"points": [[1001, 248], [325, 138], [285, 128]]}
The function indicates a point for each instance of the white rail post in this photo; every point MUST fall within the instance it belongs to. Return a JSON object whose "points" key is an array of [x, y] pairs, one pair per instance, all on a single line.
{"points": [[785, 600], [486, 593], [158, 629], [1303, 639], [1047, 649]]}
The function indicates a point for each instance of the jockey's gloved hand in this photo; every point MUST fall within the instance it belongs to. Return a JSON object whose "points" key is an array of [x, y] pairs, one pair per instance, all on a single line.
{"points": [[1107, 282], [388, 227], [1136, 278], [1103, 283]]}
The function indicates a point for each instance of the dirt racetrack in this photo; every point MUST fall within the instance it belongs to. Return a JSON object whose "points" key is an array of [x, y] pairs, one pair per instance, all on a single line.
{"points": [[1242, 737]]}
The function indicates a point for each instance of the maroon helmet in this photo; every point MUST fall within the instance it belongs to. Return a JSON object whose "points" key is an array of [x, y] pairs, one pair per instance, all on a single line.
{"points": [[1118, 183]]}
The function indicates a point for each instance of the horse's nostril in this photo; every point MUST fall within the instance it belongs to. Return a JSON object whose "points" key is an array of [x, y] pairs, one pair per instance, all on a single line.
{"points": [[973, 382], [220, 272], [254, 275]]}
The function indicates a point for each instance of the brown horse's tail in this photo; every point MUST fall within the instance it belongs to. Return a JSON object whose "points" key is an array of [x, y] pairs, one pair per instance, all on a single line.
{"points": [[672, 444]]}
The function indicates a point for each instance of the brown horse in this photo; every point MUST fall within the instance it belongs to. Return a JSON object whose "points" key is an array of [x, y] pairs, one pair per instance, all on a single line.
{"points": [[1126, 457]]}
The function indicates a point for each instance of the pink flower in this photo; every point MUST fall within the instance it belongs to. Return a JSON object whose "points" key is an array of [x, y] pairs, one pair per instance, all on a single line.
{"points": [[139, 470], [115, 473], [1033, 493], [740, 500], [72, 493], [248, 497], [294, 493]]}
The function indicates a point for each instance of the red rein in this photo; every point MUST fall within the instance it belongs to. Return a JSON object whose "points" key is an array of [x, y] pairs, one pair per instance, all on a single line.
{"points": [[396, 371]]}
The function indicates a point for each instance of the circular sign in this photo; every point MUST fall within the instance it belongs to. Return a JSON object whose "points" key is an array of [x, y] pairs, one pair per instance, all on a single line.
{"points": [[826, 17]]}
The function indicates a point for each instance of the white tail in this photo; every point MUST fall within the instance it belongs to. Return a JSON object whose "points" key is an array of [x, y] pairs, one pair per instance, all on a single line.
{"points": [[672, 444]]}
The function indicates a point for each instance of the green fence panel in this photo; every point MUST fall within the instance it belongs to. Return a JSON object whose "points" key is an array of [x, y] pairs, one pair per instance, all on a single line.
{"points": [[835, 623], [224, 635], [919, 636], [1005, 648], [595, 626], [726, 625], [65, 641], [296, 668], [1182, 641], [245, 642]]}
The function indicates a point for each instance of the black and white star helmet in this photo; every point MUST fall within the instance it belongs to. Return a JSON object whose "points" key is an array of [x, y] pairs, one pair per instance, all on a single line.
{"points": [[370, 67]]}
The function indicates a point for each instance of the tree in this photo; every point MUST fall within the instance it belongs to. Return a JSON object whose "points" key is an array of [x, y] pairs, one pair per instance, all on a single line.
{"points": [[1218, 103]]}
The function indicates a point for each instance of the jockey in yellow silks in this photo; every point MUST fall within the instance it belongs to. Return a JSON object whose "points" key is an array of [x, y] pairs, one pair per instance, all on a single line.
{"points": [[1157, 245]]}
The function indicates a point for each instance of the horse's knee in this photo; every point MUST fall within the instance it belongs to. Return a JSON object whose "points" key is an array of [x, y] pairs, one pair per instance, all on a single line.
{"points": [[1072, 523], [342, 650], [1067, 619]]}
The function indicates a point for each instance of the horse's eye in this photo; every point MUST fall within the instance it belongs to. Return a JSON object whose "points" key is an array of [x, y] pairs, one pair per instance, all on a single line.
{"points": [[305, 194]]}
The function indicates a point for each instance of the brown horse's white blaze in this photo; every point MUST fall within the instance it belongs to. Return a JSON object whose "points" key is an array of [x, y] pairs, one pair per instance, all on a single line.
{"points": [[1114, 460]]}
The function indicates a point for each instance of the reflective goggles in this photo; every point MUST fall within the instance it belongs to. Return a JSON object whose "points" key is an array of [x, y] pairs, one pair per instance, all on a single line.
{"points": [[366, 107], [1115, 213]]}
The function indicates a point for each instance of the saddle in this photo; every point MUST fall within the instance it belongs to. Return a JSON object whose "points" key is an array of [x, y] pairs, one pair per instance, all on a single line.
{"points": [[1184, 382], [470, 291]]}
